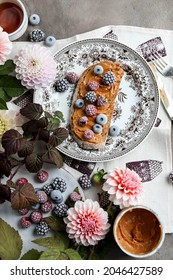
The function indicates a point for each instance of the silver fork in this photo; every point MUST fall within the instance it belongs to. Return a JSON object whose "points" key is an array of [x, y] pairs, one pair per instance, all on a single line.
{"points": [[162, 66]]}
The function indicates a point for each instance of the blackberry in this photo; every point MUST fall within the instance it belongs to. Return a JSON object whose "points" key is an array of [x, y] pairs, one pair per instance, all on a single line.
{"points": [[72, 77], [60, 210], [47, 188], [59, 184], [36, 35], [104, 199], [42, 228], [85, 181], [101, 101], [108, 78], [61, 85], [90, 96]]}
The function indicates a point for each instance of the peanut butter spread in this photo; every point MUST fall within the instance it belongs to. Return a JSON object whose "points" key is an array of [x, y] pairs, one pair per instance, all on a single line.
{"points": [[108, 91], [139, 231]]}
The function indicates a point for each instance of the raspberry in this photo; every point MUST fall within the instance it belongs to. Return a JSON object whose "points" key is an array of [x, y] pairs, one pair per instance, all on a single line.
{"points": [[60, 210], [72, 77], [83, 121], [36, 35], [46, 207], [59, 184], [93, 85], [25, 222], [108, 78], [90, 110], [21, 181], [42, 196], [42, 176], [23, 211], [47, 188], [74, 196], [88, 134], [61, 85], [85, 181], [90, 96], [101, 101], [42, 228], [36, 217]]}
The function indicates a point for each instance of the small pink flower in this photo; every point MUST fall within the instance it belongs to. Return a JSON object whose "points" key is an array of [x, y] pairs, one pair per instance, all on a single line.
{"points": [[5, 46], [124, 187], [35, 66], [87, 222]]}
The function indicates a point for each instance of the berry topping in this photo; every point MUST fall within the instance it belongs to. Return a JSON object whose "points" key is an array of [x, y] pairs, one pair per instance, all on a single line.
{"points": [[42, 228], [101, 119], [50, 41], [25, 222], [61, 85], [72, 77], [60, 210], [42, 196], [36, 35], [79, 103], [34, 19], [23, 211], [93, 85], [74, 196], [42, 176], [21, 181], [47, 188], [88, 134], [46, 207], [85, 181], [83, 121], [90, 110], [90, 96], [98, 69], [114, 130], [97, 128], [101, 101], [36, 217], [108, 78], [59, 184], [56, 195]]}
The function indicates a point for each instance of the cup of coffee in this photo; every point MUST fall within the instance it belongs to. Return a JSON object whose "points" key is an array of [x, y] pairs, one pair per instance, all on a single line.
{"points": [[13, 18]]}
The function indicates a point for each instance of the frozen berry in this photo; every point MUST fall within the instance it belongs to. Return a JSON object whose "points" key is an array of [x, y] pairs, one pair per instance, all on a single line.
{"points": [[101, 101], [34, 19], [46, 207], [72, 77], [42, 176], [171, 176], [56, 196], [47, 188], [90, 110], [60, 210], [42, 196], [83, 121], [114, 130], [93, 85], [88, 134], [36, 217], [21, 181], [61, 85], [74, 196], [50, 41], [25, 222], [104, 199], [101, 119], [108, 78], [90, 96], [97, 128], [98, 69], [36, 35], [59, 184], [79, 103], [23, 211], [42, 228], [85, 181]]}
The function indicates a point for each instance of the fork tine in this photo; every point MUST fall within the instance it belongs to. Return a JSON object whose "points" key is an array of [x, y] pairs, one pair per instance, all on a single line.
{"points": [[158, 56], [157, 63]]}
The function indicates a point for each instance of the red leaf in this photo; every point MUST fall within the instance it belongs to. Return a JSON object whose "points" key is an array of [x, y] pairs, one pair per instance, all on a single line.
{"points": [[23, 197]]}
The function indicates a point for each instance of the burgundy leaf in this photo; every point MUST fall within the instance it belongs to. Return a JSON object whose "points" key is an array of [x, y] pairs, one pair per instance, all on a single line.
{"points": [[32, 111], [30, 127], [5, 192], [12, 141], [5, 165], [27, 149], [58, 136], [55, 157], [42, 122], [44, 135], [34, 162]]}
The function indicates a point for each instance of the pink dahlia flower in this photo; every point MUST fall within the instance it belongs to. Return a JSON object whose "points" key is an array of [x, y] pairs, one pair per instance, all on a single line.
{"points": [[124, 187], [35, 66], [5, 46], [87, 222]]}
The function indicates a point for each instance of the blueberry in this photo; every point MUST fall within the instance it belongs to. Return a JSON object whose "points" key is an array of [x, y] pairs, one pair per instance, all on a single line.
{"points": [[50, 41], [34, 19], [98, 69], [101, 119], [114, 130], [97, 128], [56, 196], [79, 103]]}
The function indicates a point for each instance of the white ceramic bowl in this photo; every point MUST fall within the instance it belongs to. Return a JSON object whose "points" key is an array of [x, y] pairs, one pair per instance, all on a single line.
{"points": [[22, 28], [120, 232]]}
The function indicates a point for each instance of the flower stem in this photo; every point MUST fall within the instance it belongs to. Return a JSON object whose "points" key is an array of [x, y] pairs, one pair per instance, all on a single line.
{"points": [[17, 169]]}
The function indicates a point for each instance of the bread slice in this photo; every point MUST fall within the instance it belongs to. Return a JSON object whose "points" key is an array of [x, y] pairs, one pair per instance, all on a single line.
{"points": [[109, 92]]}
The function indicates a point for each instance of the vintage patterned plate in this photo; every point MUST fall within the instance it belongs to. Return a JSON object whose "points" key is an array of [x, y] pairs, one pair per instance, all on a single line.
{"points": [[137, 102]]}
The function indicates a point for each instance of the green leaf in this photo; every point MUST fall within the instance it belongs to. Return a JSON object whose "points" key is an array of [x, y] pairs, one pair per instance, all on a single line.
{"points": [[50, 242], [55, 224], [58, 136], [12, 141], [55, 121], [33, 162], [11, 86], [3, 105], [31, 255], [4, 96], [10, 242], [59, 114], [50, 254], [72, 254], [32, 111], [7, 68], [55, 157]]}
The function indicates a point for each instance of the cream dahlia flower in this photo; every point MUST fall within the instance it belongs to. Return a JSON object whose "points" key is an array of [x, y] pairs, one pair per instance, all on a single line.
{"points": [[5, 46], [87, 222], [124, 187], [35, 66]]}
